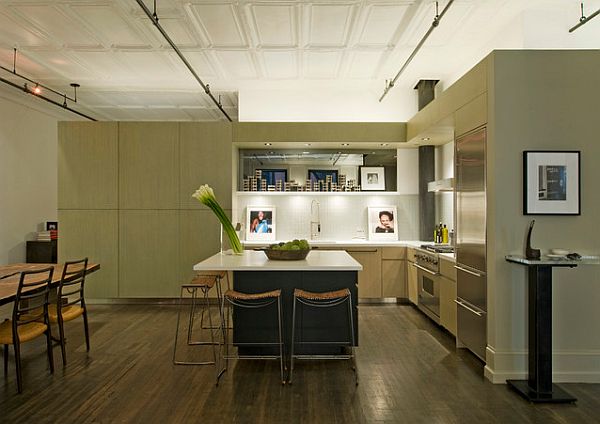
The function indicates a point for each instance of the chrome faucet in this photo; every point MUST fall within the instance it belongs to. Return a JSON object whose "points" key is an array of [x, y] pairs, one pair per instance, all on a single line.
{"points": [[315, 221]]}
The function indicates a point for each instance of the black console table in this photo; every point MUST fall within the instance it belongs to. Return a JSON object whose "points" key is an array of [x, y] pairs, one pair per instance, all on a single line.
{"points": [[42, 252], [538, 387]]}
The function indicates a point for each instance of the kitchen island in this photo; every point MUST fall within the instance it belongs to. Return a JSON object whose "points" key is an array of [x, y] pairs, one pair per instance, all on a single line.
{"points": [[321, 271]]}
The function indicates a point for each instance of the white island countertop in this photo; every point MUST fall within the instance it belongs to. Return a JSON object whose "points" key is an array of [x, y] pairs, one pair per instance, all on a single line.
{"points": [[252, 260]]}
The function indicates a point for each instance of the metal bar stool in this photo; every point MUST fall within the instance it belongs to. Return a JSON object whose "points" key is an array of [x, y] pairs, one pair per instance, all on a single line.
{"points": [[202, 283], [255, 301], [324, 300]]}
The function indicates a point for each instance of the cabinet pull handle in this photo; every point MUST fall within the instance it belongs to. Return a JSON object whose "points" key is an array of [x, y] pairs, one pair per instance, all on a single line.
{"points": [[478, 313], [476, 274], [425, 269], [361, 251]]}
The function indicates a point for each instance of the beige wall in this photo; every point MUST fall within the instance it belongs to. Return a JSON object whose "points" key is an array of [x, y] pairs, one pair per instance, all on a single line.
{"points": [[542, 100], [27, 176]]}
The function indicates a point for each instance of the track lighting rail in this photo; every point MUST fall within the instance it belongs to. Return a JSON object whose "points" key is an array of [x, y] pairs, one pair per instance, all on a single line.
{"points": [[584, 19], [436, 21], [154, 18]]}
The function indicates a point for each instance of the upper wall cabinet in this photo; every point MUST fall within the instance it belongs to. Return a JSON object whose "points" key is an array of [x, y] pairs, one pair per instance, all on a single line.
{"points": [[321, 132], [459, 109], [148, 165], [87, 165], [205, 158]]}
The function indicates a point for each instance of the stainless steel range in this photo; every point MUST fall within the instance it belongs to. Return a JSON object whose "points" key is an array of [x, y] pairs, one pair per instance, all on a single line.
{"points": [[428, 276]]}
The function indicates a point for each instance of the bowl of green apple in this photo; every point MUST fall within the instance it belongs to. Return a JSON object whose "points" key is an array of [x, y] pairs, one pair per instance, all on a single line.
{"points": [[295, 250]]}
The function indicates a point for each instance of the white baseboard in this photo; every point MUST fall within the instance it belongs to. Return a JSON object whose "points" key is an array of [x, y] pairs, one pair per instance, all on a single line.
{"points": [[568, 366]]}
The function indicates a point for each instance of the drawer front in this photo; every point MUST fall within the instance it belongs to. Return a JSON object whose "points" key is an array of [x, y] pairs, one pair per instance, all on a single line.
{"points": [[447, 269], [393, 252]]}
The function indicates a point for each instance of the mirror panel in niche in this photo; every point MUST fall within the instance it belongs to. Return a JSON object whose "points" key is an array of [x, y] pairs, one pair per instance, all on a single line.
{"points": [[294, 170]]}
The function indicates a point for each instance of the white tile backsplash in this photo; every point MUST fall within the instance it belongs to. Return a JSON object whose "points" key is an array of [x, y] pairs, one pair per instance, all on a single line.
{"points": [[340, 214]]}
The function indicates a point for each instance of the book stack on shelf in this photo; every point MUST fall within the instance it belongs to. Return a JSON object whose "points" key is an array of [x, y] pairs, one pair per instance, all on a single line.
{"points": [[51, 232]]}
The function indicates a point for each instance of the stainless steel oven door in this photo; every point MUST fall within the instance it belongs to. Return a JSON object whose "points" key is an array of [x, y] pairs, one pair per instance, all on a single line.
{"points": [[429, 294]]}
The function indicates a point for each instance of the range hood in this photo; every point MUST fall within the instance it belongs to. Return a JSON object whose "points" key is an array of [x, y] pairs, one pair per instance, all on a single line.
{"points": [[447, 184]]}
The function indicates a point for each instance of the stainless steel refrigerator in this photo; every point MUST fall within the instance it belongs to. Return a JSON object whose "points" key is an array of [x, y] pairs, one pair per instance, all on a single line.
{"points": [[470, 201]]}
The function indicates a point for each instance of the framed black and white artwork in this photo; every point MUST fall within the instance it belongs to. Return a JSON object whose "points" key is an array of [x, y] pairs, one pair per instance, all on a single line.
{"points": [[382, 223], [551, 182], [372, 178]]}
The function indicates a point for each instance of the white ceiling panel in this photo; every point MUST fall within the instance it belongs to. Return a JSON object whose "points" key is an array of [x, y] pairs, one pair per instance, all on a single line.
{"points": [[178, 31], [105, 65], [329, 24], [151, 65], [220, 24], [281, 64], [63, 30], [275, 24], [237, 63], [363, 64], [320, 64], [203, 66], [26, 65], [12, 33], [382, 23], [60, 62], [109, 26]]}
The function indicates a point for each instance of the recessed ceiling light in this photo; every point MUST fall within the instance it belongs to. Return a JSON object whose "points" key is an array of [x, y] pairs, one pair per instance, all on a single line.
{"points": [[383, 144], [345, 144], [268, 144], [425, 139], [305, 153], [307, 144], [271, 152], [373, 153]]}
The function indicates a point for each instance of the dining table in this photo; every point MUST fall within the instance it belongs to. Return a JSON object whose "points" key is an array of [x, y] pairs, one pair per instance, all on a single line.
{"points": [[10, 275]]}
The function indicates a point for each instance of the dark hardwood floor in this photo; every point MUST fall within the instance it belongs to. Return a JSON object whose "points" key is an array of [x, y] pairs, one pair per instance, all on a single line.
{"points": [[409, 372]]}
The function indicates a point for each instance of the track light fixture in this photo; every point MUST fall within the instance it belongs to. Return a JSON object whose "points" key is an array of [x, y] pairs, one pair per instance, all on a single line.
{"points": [[38, 88], [584, 19], [436, 21]]}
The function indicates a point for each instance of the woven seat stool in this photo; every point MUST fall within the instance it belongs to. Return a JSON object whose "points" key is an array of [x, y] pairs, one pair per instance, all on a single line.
{"points": [[202, 283], [256, 301], [323, 300]]}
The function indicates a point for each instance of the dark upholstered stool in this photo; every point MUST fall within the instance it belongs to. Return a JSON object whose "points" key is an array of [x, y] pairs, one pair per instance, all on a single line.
{"points": [[324, 300], [256, 301], [202, 283]]}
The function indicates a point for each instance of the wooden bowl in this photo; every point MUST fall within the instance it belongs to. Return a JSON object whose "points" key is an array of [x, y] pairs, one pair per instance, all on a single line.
{"points": [[286, 255]]}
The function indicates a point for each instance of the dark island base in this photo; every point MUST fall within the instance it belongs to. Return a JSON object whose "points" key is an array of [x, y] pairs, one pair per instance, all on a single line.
{"points": [[314, 324], [558, 395]]}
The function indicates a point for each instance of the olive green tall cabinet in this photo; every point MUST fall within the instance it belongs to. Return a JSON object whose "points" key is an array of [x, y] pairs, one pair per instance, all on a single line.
{"points": [[124, 199]]}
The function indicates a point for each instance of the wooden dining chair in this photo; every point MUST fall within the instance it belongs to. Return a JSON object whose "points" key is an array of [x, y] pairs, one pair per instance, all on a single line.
{"points": [[29, 318], [70, 302]]}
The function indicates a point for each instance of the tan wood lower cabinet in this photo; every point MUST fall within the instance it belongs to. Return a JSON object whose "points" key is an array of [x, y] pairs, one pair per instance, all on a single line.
{"points": [[412, 283], [411, 276], [369, 279], [393, 278], [447, 304], [448, 295]]}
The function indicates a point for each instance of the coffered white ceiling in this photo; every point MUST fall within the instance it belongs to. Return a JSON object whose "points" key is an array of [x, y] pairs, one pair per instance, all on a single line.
{"points": [[127, 71]]}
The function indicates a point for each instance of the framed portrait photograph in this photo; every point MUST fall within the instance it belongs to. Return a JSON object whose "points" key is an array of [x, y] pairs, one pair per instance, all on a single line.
{"points": [[260, 223], [382, 223], [551, 182], [372, 178]]}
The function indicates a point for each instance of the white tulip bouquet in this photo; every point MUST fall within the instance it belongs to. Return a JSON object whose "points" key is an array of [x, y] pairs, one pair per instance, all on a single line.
{"points": [[206, 196]]}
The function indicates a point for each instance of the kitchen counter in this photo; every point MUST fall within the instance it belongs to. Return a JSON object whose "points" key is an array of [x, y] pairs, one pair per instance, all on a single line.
{"points": [[348, 242], [251, 260]]}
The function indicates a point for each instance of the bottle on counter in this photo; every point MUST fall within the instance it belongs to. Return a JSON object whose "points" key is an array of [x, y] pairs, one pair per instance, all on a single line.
{"points": [[445, 234]]}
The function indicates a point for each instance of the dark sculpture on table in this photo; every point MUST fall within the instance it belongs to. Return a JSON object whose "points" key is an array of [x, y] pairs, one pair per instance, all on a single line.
{"points": [[529, 252]]}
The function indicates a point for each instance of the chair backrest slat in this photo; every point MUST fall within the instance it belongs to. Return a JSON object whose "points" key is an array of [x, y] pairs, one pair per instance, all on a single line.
{"points": [[72, 282], [32, 296]]}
